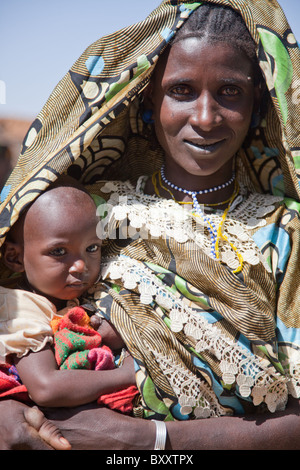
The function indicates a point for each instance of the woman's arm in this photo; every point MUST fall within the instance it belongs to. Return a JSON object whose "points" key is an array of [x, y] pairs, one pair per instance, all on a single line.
{"points": [[280, 431], [93, 428], [51, 387]]}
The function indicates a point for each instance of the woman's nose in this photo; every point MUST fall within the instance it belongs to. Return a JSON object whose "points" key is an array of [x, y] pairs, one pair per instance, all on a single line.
{"points": [[206, 113], [78, 266]]}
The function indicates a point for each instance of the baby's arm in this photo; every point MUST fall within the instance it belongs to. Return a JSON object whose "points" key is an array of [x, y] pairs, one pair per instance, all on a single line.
{"points": [[49, 386]]}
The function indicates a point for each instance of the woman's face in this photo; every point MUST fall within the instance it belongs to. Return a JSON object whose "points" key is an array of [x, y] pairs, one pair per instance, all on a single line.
{"points": [[203, 97]]}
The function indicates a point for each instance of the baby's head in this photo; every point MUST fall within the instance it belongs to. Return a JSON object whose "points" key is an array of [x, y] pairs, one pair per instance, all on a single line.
{"points": [[54, 243]]}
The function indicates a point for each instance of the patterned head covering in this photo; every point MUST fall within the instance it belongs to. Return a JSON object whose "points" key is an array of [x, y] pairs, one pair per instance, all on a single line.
{"points": [[90, 125]]}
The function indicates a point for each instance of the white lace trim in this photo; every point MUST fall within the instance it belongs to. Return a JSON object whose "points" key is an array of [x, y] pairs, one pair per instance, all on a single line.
{"points": [[194, 395], [238, 366], [291, 366], [150, 216]]}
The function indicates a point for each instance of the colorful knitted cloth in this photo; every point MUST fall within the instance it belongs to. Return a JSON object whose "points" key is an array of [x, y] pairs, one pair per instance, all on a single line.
{"points": [[75, 339], [78, 346], [10, 384]]}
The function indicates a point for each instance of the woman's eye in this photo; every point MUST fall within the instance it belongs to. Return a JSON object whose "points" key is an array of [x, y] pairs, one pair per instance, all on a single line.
{"points": [[92, 248], [180, 91], [230, 91], [58, 252]]}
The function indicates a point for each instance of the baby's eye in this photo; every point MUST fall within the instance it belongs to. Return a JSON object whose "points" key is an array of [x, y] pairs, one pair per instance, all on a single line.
{"points": [[93, 248], [58, 252]]}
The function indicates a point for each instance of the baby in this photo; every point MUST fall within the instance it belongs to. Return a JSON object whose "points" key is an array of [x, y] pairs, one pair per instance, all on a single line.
{"points": [[55, 247]]}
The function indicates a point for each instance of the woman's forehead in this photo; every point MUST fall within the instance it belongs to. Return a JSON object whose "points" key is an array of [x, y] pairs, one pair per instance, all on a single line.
{"points": [[195, 54]]}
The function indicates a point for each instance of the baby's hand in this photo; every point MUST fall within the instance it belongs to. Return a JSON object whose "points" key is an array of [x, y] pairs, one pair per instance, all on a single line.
{"points": [[110, 336], [95, 322]]}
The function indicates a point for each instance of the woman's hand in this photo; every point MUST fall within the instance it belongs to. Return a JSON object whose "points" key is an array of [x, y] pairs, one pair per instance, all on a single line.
{"points": [[26, 428], [93, 427]]}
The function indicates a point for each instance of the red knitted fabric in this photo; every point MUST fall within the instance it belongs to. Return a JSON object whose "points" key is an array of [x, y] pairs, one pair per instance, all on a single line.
{"points": [[101, 358], [121, 400], [10, 385]]}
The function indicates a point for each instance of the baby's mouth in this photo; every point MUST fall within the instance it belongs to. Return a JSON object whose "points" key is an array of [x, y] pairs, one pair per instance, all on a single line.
{"points": [[76, 284]]}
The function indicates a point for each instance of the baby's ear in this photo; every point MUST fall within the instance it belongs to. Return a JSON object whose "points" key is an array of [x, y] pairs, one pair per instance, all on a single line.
{"points": [[13, 256]]}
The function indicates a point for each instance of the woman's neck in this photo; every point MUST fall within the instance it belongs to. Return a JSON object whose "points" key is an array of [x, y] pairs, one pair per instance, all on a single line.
{"points": [[166, 187]]}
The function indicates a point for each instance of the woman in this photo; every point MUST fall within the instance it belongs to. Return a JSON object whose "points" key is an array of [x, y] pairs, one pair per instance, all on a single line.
{"points": [[203, 240]]}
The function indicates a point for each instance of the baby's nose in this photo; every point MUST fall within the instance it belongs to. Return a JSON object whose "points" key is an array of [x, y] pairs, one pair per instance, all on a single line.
{"points": [[78, 266]]}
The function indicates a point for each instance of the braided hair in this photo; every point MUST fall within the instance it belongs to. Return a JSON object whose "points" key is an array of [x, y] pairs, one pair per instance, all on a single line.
{"points": [[218, 23]]}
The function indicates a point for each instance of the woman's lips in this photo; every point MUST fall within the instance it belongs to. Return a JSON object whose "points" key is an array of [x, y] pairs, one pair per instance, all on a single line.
{"points": [[204, 146]]}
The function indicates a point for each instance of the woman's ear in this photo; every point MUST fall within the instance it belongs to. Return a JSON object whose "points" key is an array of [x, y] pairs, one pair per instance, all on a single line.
{"points": [[146, 108], [147, 96], [259, 91], [12, 254]]}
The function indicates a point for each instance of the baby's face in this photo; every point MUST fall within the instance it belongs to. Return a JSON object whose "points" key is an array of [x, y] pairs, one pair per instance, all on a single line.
{"points": [[62, 252]]}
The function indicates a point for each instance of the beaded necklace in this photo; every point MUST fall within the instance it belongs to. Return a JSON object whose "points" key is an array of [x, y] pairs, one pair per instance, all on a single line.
{"points": [[195, 193], [215, 233], [158, 176]]}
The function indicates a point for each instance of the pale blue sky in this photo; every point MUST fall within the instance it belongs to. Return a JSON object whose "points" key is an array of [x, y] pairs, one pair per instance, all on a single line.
{"points": [[41, 39]]}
